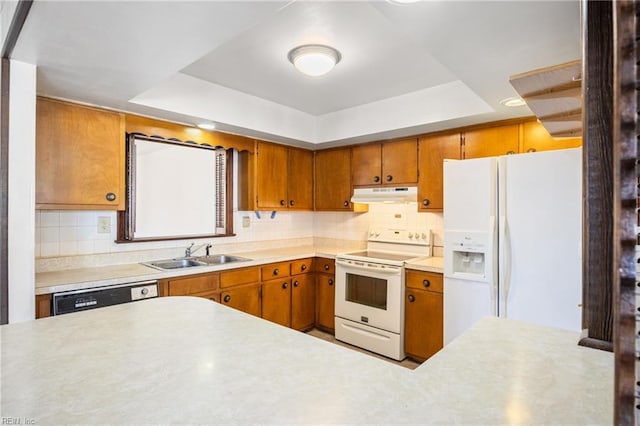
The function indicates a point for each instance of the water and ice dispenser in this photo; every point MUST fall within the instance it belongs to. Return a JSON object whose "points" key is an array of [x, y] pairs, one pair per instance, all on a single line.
{"points": [[467, 255]]}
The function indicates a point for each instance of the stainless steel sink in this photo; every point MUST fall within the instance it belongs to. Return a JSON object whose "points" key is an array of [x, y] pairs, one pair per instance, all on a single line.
{"points": [[220, 259], [174, 263]]}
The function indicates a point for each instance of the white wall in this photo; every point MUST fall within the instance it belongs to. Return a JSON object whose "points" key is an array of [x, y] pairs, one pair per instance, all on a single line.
{"points": [[21, 203]]}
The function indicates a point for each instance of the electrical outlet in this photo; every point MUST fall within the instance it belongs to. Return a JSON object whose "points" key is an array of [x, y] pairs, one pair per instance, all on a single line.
{"points": [[104, 225], [246, 221]]}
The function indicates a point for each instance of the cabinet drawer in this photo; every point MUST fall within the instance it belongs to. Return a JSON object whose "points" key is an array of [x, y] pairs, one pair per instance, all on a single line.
{"points": [[191, 285], [239, 276], [301, 266], [275, 270], [325, 265], [420, 280]]}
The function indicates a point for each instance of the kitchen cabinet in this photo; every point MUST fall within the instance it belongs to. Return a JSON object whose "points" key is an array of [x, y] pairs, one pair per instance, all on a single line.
{"points": [[303, 301], [536, 138], [325, 294], [245, 298], [388, 163], [276, 301], [43, 305], [433, 150], [491, 141], [332, 189], [79, 157], [276, 178], [423, 314], [193, 285]]}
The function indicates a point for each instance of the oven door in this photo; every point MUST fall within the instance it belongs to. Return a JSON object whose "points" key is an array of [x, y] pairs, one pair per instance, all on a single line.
{"points": [[371, 294]]}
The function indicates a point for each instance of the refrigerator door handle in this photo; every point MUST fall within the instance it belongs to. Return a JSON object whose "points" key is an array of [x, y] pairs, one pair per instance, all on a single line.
{"points": [[494, 273], [502, 273]]}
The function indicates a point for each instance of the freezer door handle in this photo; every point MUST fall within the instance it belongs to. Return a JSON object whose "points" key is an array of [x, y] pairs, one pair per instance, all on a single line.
{"points": [[502, 277], [494, 273]]}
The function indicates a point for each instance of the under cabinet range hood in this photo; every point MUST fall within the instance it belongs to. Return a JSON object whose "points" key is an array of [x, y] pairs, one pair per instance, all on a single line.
{"points": [[403, 194]]}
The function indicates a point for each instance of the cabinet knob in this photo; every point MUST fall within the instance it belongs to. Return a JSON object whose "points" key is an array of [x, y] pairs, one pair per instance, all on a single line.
{"points": [[282, 203], [326, 267], [227, 298], [389, 178], [346, 204], [376, 178], [291, 203], [510, 152], [426, 283], [531, 150], [275, 271], [425, 202], [412, 298], [296, 283], [110, 196], [303, 268], [285, 285], [330, 281]]}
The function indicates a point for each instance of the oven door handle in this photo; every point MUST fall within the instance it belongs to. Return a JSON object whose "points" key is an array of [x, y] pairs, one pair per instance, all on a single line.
{"points": [[391, 270]]}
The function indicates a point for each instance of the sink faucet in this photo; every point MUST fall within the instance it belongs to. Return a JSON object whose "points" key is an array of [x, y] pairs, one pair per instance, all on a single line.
{"points": [[187, 252], [190, 250], [207, 249]]}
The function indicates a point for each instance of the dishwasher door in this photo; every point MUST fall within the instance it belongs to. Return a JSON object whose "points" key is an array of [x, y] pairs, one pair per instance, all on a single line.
{"points": [[92, 298]]}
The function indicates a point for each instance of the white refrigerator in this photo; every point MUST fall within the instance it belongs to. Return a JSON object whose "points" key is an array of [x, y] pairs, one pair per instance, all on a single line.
{"points": [[513, 240]]}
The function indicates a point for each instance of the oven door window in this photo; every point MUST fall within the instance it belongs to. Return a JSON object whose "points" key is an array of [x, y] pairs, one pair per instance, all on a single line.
{"points": [[367, 291]]}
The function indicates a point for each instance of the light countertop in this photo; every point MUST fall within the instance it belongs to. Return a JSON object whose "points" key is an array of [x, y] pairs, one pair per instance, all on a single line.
{"points": [[81, 278], [190, 360]]}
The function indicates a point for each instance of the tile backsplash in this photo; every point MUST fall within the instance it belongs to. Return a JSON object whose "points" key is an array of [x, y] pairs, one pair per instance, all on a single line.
{"points": [[70, 233]]}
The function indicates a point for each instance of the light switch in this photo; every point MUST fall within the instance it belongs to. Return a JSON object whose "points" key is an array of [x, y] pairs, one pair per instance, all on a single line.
{"points": [[104, 225]]}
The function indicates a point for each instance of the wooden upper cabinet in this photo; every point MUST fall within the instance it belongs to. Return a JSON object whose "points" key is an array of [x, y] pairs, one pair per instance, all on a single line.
{"points": [[433, 150], [79, 157], [300, 179], [536, 138], [491, 141], [400, 162], [366, 164], [332, 190], [271, 176]]}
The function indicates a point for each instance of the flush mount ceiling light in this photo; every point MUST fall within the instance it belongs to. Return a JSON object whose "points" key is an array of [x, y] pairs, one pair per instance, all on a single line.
{"points": [[314, 59], [207, 126], [514, 101]]}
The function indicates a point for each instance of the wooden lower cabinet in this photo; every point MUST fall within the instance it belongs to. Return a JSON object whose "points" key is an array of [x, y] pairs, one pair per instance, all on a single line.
{"points": [[193, 285], [276, 301], [325, 294], [423, 314], [43, 305], [303, 301], [244, 298]]}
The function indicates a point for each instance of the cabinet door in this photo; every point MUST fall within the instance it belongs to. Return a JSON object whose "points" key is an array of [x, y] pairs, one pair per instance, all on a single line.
{"points": [[325, 302], [193, 285], [536, 138], [303, 302], [79, 157], [400, 162], [423, 323], [433, 150], [276, 301], [333, 179], [491, 141], [245, 299], [271, 176], [43, 305], [366, 164], [300, 179]]}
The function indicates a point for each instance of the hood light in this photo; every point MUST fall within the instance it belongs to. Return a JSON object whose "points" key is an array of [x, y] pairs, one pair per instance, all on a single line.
{"points": [[314, 59], [207, 126]]}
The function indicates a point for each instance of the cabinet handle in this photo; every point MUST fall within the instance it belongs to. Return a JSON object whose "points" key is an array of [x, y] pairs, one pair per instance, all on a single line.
{"points": [[110, 196], [330, 281], [412, 298], [326, 267], [425, 202], [303, 268], [285, 285], [389, 178], [510, 152], [227, 298], [291, 203], [296, 283], [531, 150], [426, 283], [275, 271], [346, 204], [282, 203], [376, 178]]}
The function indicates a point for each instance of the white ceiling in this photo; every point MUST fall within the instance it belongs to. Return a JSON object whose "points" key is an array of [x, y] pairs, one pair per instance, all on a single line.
{"points": [[405, 69]]}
